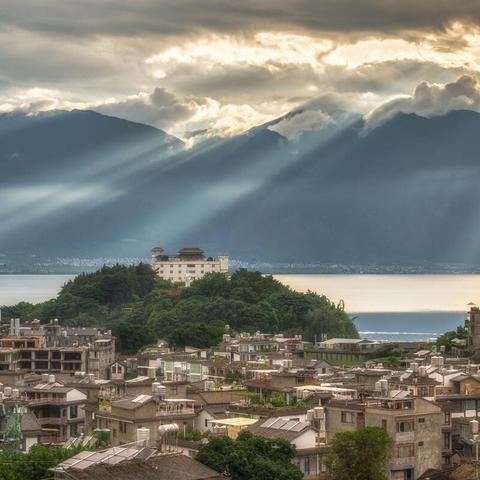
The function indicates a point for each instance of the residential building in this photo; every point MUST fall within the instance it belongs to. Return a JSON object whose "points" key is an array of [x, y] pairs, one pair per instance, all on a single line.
{"points": [[124, 416], [55, 349], [59, 409], [415, 425], [299, 432]]}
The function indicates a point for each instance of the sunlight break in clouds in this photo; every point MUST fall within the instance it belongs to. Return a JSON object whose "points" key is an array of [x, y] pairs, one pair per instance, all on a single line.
{"points": [[224, 68], [430, 101]]}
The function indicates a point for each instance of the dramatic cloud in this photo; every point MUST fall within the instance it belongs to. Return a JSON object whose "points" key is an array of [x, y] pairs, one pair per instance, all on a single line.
{"points": [[224, 66], [430, 100], [179, 114]]}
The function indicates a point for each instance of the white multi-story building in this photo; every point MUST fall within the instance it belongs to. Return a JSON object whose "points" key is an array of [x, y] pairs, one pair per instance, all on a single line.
{"points": [[188, 264]]}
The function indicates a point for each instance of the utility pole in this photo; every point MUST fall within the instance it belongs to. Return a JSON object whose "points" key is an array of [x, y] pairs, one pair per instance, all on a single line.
{"points": [[476, 439]]}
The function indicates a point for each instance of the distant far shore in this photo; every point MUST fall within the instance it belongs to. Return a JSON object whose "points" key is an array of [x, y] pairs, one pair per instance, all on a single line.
{"points": [[31, 265]]}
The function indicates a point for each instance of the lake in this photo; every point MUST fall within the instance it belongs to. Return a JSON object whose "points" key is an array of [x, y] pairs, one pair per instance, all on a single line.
{"points": [[30, 288], [387, 307]]}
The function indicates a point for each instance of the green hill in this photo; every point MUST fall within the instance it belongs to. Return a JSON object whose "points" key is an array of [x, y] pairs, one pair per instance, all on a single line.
{"points": [[140, 308]]}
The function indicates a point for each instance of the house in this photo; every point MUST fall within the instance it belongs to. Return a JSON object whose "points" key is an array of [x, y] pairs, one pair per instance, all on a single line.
{"points": [[126, 416], [272, 383], [299, 432], [59, 409], [415, 424]]}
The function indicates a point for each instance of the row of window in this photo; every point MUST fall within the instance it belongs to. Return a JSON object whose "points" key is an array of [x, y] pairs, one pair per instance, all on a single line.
{"points": [[402, 426]]}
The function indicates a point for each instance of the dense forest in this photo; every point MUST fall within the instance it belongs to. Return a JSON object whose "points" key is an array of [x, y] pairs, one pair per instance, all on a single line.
{"points": [[140, 308]]}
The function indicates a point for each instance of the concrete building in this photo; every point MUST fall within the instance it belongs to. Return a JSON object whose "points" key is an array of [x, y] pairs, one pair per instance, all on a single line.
{"points": [[52, 348], [472, 326], [188, 264], [299, 432], [59, 409], [415, 425], [126, 416]]}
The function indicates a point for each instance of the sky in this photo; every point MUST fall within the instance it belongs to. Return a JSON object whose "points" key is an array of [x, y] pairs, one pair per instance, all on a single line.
{"points": [[220, 67]]}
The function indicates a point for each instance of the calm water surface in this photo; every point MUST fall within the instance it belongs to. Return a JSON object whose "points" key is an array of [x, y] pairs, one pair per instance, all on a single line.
{"points": [[30, 288], [408, 307], [401, 307]]}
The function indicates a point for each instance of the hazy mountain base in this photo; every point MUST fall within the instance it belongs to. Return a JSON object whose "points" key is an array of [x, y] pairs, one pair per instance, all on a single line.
{"points": [[79, 184]]}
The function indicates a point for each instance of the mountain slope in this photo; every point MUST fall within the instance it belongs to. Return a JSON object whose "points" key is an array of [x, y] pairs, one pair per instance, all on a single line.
{"points": [[403, 193]]}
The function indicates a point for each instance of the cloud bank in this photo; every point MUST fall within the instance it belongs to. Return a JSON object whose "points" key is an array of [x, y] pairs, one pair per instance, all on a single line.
{"points": [[223, 66], [430, 100]]}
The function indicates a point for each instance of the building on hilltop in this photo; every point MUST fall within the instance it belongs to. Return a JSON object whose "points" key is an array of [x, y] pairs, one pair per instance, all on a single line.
{"points": [[190, 263]]}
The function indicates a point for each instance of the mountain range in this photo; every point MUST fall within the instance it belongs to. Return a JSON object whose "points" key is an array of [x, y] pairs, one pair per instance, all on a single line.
{"points": [[82, 184]]}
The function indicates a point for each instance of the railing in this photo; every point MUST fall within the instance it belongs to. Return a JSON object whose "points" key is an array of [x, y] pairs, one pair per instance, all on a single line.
{"points": [[405, 437], [404, 462], [52, 420], [175, 411], [42, 401]]}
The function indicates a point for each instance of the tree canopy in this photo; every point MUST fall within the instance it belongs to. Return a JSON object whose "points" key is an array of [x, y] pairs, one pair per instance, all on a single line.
{"points": [[446, 340], [250, 457], [140, 308], [33, 465], [359, 455]]}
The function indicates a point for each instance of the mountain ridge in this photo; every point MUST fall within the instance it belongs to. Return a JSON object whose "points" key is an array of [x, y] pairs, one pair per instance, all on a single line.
{"points": [[349, 196]]}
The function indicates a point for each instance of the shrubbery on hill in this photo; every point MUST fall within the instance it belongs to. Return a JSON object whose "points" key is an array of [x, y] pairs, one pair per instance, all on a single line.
{"points": [[140, 308]]}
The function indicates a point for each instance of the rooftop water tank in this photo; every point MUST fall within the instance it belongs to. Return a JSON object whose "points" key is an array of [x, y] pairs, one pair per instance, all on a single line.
{"points": [[143, 435]]}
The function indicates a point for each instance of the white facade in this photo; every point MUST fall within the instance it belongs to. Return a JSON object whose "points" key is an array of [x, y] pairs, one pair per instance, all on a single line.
{"points": [[187, 265]]}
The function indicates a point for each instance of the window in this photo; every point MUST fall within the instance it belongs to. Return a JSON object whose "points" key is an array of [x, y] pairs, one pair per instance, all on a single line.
{"points": [[405, 451], [348, 417], [405, 426], [447, 418], [384, 424], [421, 420], [122, 427], [74, 430], [420, 444], [74, 411], [446, 441], [306, 464], [470, 405]]}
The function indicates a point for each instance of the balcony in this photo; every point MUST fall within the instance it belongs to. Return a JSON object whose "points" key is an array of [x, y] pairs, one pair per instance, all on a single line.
{"points": [[52, 421], [47, 401], [402, 463], [405, 437]]}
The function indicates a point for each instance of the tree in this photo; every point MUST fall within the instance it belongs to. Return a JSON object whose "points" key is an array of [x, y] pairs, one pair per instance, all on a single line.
{"points": [[132, 337], [250, 457], [198, 335], [359, 455], [140, 308], [35, 464], [446, 340]]}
